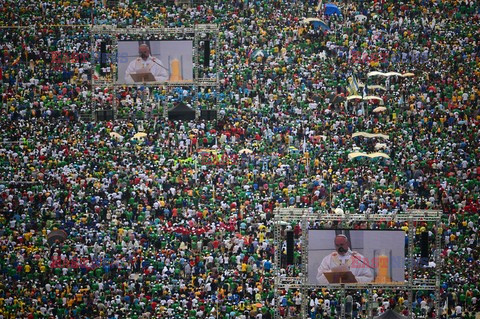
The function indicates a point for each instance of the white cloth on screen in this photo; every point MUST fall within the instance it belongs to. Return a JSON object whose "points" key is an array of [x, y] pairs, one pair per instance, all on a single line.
{"points": [[151, 64], [361, 272]]}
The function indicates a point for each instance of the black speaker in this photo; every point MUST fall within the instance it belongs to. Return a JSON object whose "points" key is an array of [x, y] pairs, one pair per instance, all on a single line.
{"points": [[290, 245], [424, 251], [208, 115], [103, 54], [348, 304], [206, 54], [104, 115]]}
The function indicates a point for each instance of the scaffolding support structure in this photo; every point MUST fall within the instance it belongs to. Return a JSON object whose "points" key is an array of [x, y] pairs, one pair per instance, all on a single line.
{"points": [[438, 268], [411, 237], [283, 216], [305, 216]]}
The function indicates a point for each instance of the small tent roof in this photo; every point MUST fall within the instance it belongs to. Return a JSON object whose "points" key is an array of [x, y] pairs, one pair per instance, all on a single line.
{"points": [[181, 113], [390, 314]]}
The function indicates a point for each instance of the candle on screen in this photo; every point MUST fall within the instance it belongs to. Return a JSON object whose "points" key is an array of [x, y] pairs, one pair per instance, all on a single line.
{"points": [[383, 266], [175, 69]]}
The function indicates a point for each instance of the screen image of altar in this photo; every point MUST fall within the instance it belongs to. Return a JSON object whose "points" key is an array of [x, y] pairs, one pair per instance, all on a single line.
{"points": [[363, 256], [154, 61]]}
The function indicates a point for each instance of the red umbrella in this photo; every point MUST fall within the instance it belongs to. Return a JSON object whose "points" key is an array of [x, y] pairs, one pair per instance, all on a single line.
{"points": [[56, 235]]}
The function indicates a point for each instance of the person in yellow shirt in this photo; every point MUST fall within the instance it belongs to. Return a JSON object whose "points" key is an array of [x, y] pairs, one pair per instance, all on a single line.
{"points": [[27, 236], [244, 267], [452, 237], [261, 237], [120, 234]]}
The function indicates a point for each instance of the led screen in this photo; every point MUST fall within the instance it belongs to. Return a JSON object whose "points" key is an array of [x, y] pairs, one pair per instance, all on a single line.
{"points": [[356, 256], [154, 62]]}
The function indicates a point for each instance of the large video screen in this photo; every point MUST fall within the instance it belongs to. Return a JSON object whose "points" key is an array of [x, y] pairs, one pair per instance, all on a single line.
{"points": [[356, 256], [155, 61]]}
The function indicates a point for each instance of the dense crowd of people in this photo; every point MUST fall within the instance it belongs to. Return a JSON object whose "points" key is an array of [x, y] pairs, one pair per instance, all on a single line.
{"points": [[177, 223]]}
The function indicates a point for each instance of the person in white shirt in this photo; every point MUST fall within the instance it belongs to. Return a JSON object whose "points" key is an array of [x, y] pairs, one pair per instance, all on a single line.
{"points": [[146, 64], [341, 260]]}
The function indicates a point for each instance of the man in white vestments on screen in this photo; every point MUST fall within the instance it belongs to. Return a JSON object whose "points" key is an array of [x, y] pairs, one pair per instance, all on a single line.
{"points": [[343, 259], [145, 64]]}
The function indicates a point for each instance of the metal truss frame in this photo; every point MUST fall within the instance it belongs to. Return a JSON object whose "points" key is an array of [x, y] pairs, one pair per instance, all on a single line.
{"points": [[195, 33], [304, 216]]}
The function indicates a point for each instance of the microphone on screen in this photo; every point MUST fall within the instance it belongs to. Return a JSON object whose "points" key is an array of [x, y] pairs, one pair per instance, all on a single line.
{"points": [[360, 260]]}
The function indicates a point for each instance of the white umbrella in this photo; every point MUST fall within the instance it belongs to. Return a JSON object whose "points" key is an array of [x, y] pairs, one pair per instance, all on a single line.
{"points": [[370, 155], [373, 73], [393, 73], [365, 134], [360, 18], [307, 20], [379, 109], [351, 97], [369, 74], [377, 87], [371, 97]]}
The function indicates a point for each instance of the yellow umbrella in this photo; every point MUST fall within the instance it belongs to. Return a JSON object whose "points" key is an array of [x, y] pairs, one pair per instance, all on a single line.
{"points": [[116, 136], [140, 135], [246, 151]]}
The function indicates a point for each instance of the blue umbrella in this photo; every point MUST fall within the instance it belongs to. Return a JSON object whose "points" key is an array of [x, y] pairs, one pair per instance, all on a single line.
{"points": [[331, 9], [320, 24], [317, 23]]}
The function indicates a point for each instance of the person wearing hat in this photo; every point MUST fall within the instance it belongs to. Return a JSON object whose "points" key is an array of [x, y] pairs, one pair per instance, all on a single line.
{"points": [[144, 64], [343, 259]]}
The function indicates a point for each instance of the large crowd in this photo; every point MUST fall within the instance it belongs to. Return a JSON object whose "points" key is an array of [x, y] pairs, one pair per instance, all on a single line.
{"points": [[178, 223]]}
